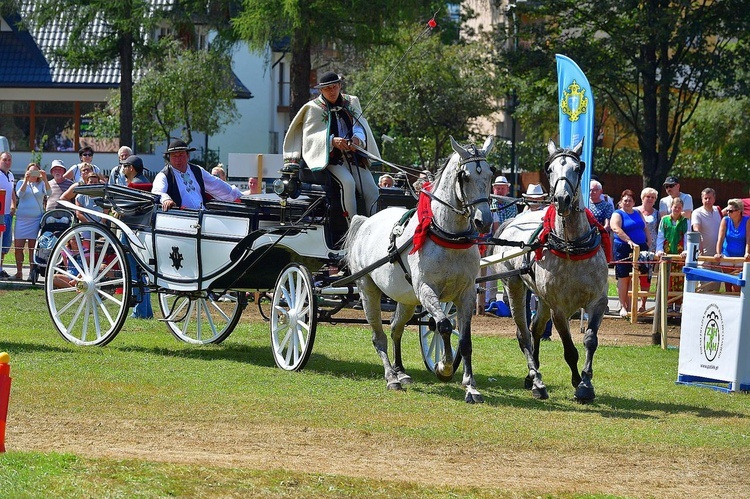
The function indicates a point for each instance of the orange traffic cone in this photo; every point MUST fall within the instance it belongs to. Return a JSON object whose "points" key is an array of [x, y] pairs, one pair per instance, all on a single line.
{"points": [[4, 395]]}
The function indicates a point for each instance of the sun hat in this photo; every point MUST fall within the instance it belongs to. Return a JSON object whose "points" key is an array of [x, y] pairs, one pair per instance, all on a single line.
{"points": [[501, 180], [328, 78], [56, 163], [534, 191]]}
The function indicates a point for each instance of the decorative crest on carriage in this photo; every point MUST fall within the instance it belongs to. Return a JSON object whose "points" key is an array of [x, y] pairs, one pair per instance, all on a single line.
{"points": [[574, 102]]}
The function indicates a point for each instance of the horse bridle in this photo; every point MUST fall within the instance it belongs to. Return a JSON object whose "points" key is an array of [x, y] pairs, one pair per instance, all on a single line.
{"points": [[566, 153], [465, 209]]}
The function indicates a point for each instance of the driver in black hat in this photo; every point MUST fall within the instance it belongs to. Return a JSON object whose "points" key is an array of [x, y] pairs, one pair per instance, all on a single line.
{"points": [[185, 185], [324, 133]]}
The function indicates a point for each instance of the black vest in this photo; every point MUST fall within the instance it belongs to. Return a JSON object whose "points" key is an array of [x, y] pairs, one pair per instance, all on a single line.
{"points": [[174, 191]]}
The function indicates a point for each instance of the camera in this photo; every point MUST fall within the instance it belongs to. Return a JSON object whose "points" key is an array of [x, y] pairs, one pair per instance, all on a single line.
{"points": [[35, 174]]}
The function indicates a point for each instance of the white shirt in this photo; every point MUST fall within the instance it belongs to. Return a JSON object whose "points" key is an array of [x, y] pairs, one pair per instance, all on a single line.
{"points": [[190, 189], [76, 169], [709, 228], [7, 184], [665, 204]]}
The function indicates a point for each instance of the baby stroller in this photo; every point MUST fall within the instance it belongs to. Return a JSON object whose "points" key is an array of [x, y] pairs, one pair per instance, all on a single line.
{"points": [[54, 223]]}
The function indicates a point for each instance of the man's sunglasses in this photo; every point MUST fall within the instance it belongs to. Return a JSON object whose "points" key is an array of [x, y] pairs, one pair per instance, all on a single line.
{"points": [[87, 154], [669, 186]]}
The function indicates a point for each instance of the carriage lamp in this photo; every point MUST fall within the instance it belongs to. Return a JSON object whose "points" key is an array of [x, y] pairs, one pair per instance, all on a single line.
{"points": [[288, 185]]}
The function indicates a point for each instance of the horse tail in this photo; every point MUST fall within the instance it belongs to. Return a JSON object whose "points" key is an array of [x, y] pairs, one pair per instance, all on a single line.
{"points": [[354, 227]]}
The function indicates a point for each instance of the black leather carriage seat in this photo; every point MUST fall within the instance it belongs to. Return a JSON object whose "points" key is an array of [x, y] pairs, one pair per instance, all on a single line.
{"points": [[320, 183]]}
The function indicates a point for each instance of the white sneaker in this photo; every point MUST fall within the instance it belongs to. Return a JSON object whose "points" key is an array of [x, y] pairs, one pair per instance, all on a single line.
{"points": [[623, 312]]}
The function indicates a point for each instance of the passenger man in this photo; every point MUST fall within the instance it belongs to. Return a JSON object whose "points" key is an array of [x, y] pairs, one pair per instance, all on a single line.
{"points": [[185, 185]]}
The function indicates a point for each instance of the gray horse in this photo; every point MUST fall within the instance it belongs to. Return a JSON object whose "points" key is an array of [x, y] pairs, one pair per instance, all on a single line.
{"points": [[443, 269], [568, 273]]}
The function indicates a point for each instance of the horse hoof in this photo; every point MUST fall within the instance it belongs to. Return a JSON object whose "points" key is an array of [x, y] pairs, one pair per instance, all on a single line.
{"points": [[404, 379], [395, 385], [540, 393], [474, 398], [584, 394], [528, 383], [444, 372]]}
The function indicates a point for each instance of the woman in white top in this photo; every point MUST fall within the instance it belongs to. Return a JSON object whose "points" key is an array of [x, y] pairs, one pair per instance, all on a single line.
{"points": [[29, 210]]}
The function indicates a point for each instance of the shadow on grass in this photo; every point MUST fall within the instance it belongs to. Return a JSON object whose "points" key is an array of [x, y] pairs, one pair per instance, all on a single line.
{"points": [[504, 391]]}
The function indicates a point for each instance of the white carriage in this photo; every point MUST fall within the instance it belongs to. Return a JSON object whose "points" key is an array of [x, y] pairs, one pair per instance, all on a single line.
{"points": [[194, 259]]}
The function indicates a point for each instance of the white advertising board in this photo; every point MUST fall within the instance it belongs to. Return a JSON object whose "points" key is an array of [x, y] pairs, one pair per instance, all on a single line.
{"points": [[713, 346]]}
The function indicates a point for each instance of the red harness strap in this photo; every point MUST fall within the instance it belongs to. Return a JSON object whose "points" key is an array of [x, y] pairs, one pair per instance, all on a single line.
{"points": [[548, 225], [449, 244]]}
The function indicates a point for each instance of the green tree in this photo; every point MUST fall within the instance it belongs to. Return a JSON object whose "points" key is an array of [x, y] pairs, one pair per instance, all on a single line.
{"points": [[650, 62], [189, 90], [126, 35], [717, 141], [310, 24], [437, 91], [124, 38]]}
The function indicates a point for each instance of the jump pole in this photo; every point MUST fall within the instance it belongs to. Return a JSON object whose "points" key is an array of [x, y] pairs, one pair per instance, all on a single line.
{"points": [[714, 345], [4, 395]]}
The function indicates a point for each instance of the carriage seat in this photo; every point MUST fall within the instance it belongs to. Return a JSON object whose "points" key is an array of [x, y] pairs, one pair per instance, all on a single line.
{"points": [[315, 183]]}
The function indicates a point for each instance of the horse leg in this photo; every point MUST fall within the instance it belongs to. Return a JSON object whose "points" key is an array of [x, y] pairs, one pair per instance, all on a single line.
{"points": [[569, 349], [398, 321], [429, 300], [464, 314], [585, 389], [371, 296], [517, 299]]}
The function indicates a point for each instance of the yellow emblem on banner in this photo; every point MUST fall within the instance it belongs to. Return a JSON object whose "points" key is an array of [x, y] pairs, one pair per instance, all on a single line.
{"points": [[574, 103]]}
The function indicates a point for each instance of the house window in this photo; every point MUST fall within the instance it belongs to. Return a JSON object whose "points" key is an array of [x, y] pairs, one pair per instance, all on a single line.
{"points": [[49, 126]]}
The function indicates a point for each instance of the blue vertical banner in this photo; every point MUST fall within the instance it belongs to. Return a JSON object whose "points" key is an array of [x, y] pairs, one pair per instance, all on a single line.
{"points": [[576, 105]]}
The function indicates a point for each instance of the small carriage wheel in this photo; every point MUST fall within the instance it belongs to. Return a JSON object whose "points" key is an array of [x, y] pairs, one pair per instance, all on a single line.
{"points": [[87, 291], [204, 319], [294, 314], [431, 344]]}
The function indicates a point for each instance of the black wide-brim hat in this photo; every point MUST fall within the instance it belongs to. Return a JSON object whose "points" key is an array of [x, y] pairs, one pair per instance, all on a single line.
{"points": [[328, 78], [179, 145]]}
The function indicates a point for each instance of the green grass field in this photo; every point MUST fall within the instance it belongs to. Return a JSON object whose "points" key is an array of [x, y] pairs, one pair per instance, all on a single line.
{"points": [[147, 380]]}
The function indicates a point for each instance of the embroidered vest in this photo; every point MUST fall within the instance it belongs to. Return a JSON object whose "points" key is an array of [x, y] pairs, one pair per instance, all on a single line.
{"points": [[174, 191]]}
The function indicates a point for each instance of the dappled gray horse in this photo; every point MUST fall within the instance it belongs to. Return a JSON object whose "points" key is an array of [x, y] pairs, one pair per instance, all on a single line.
{"points": [[568, 273], [438, 264]]}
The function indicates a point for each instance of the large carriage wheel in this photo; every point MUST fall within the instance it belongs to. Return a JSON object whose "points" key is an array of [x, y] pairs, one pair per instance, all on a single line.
{"points": [[87, 286], [294, 315], [201, 319], [431, 344]]}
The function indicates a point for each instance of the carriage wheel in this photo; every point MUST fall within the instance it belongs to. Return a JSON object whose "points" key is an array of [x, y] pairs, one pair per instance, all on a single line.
{"points": [[431, 344], [88, 292], [204, 319], [293, 318]]}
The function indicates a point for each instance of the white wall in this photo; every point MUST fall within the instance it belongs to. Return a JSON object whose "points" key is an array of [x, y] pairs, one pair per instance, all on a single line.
{"points": [[250, 133]]}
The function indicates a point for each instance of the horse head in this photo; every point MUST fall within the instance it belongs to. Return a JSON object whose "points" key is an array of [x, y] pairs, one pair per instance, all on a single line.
{"points": [[473, 176], [564, 169]]}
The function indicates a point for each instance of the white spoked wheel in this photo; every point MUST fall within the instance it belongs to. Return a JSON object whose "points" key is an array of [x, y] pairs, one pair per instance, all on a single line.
{"points": [[201, 319], [87, 286], [293, 318], [430, 342]]}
